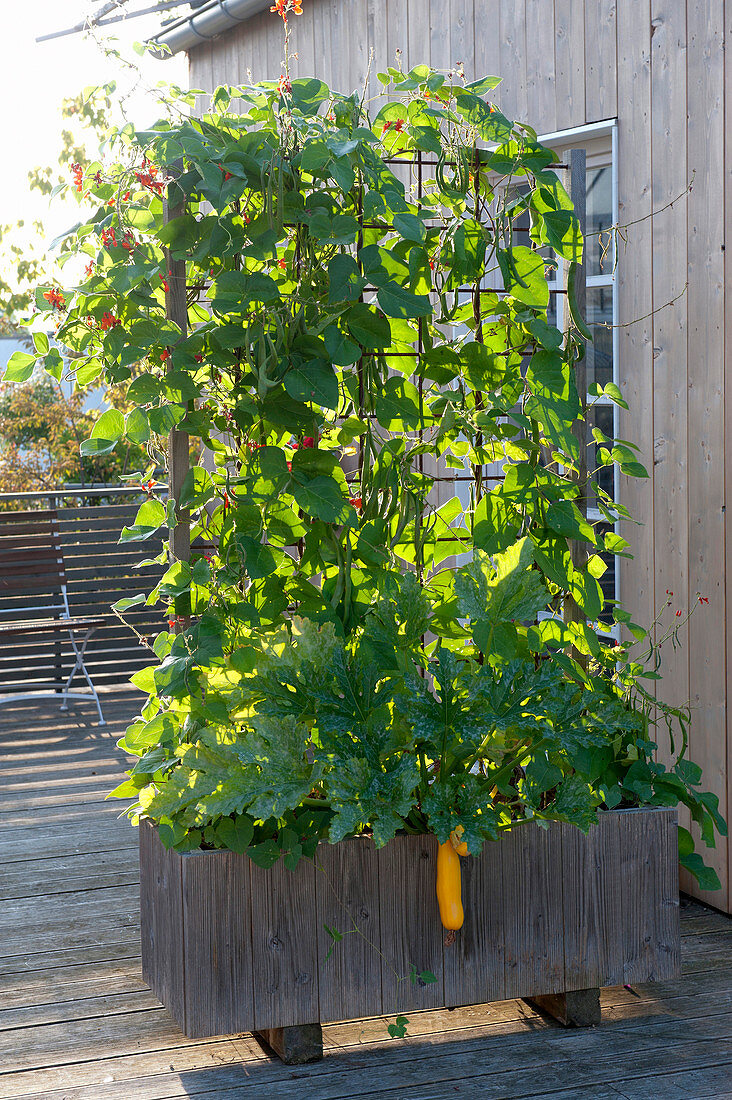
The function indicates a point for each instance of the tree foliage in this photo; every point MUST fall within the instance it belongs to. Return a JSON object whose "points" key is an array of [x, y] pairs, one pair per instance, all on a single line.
{"points": [[41, 430]]}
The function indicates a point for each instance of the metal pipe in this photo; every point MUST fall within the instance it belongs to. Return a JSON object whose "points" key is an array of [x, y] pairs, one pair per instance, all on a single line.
{"points": [[207, 22]]}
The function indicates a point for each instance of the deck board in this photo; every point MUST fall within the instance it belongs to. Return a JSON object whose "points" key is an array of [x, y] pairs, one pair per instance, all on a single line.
{"points": [[78, 1023]]}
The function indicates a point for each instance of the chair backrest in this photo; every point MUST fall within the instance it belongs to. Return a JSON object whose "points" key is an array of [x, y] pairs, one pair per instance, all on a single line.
{"points": [[32, 574]]}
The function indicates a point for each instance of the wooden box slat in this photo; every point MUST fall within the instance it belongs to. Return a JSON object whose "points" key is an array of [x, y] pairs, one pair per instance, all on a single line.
{"points": [[218, 959], [593, 903], [650, 899], [532, 910], [347, 890], [162, 920], [284, 945], [411, 932], [230, 947], [474, 963]]}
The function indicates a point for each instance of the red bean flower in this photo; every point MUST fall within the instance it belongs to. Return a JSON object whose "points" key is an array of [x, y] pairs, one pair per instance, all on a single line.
{"points": [[287, 7], [55, 298], [109, 321]]}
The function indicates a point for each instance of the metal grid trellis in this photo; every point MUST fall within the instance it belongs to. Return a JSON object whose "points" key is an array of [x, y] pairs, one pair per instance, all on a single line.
{"points": [[176, 309]]}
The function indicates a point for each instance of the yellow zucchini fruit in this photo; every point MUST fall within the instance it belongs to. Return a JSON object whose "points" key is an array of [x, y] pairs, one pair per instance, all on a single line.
{"points": [[449, 887]]}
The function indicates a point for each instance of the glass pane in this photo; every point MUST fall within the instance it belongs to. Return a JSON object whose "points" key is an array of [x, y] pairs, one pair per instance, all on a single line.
{"points": [[601, 416], [599, 245], [607, 580], [600, 351]]}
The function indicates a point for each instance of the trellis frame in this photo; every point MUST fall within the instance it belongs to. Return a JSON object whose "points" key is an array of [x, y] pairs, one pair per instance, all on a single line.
{"points": [[176, 308]]}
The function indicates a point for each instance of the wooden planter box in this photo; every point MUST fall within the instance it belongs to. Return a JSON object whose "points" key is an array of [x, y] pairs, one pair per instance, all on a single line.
{"points": [[229, 947]]}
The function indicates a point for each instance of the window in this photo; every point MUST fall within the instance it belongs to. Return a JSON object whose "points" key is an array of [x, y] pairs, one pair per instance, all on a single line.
{"points": [[599, 141]]}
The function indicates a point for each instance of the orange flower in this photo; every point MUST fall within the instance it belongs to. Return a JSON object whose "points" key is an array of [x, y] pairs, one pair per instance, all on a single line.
{"points": [[164, 355], [78, 173], [287, 7], [148, 177], [355, 502], [282, 265], [109, 320], [55, 298]]}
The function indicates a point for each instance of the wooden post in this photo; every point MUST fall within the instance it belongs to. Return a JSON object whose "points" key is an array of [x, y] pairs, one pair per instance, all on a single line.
{"points": [[294, 1045], [575, 1008], [176, 308], [577, 193]]}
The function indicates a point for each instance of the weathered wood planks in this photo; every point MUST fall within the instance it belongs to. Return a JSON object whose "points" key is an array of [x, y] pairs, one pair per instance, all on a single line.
{"points": [[161, 918], [283, 946], [705, 336], [209, 888], [347, 883], [230, 947]]}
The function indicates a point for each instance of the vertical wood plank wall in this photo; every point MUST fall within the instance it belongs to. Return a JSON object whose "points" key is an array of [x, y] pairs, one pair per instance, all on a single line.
{"points": [[658, 66]]}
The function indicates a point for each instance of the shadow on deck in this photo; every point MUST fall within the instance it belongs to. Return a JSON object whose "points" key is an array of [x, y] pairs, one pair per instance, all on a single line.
{"points": [[78, 1023]]}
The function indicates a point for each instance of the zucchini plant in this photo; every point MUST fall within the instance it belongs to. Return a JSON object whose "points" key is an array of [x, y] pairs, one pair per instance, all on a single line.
{"points": [[369, 634]]}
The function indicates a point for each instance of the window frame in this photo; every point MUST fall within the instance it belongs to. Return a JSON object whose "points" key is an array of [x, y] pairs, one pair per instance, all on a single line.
{"points": [[600, 141]]}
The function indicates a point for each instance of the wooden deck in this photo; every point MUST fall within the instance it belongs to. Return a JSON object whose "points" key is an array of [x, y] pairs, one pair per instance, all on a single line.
{"points": [[78, 1023]]}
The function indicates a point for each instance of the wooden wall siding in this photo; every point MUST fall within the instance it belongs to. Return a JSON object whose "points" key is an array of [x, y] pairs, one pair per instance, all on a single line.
{"points": [[658, 66], [705, 392], [669, 178], [229, 947], [727, 405]]}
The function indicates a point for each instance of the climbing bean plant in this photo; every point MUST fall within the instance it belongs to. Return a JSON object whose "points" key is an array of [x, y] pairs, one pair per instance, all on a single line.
{"points": [[369, 634]]}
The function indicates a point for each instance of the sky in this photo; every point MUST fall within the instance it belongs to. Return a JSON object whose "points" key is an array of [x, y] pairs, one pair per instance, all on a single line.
{"points": [[34, 78]]}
